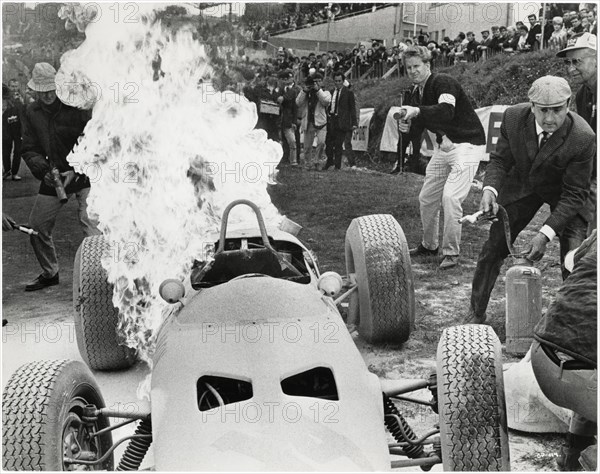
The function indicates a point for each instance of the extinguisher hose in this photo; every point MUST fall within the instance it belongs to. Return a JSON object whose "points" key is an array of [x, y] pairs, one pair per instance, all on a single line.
{"points": [[504, 218]]}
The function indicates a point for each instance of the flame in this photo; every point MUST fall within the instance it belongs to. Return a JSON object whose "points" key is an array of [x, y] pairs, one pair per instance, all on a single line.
{"points": [[165, 157]]}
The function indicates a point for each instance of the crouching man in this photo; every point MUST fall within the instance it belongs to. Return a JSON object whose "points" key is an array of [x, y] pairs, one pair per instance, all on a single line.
{"points": [[564, 356]]}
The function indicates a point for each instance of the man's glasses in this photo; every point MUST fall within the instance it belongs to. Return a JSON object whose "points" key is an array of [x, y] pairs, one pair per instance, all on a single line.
{"points": [[576, 62]]}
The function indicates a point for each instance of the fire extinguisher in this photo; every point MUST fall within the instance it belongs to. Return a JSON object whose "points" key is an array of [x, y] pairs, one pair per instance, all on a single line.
{"points": [[523, 285]]}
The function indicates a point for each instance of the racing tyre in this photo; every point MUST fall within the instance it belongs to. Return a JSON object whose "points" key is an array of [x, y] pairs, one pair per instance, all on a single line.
{"points": [[42, 408], [471, 403], [377, 253], [96, 318]]}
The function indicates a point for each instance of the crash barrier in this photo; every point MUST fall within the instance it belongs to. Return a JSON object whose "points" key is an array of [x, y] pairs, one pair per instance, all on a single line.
{"points": [[490, 117]]}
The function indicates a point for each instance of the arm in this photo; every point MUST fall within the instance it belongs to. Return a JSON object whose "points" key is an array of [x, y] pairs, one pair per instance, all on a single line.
{"points": [[32, 152], [575, 189], [301, 99], [324, 97], [446, 90], [501, 160]]}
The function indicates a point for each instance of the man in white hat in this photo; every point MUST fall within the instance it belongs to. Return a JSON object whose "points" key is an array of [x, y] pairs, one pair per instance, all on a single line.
{"points": [[50, 130], [582, 65], [544, 154], [581, 61]]}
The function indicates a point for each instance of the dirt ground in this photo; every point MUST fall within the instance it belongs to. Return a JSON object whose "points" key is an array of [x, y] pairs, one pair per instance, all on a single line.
{"points": [[440, 302]]}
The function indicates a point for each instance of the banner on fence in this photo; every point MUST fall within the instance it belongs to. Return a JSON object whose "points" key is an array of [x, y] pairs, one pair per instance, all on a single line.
{"points": [[360, 136], [490, 117]]}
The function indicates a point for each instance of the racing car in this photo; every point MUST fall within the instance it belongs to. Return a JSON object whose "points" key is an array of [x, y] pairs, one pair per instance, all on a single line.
{"points": [[258, 372]]}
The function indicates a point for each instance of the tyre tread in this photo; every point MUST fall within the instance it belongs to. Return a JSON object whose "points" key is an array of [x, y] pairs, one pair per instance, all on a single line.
{"points": [[98, 340], [471, 400]]}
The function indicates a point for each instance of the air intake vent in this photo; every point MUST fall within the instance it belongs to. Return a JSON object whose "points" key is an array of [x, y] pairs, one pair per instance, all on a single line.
{"points": [[220, 391], [316, 383]]}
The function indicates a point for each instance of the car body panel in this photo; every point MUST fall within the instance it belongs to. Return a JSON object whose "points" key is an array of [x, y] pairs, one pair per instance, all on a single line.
{"points": [[262, 330]]}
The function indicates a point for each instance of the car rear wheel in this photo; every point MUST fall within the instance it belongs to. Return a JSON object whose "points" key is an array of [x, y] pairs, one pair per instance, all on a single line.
{"points": [[42, 411], [96, 318], [377, 253], [472, 408]]}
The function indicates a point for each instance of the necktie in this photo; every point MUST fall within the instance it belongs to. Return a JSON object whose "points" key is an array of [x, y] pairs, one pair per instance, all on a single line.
{"points": [[544, 139], [334, 103], [416, 96]]}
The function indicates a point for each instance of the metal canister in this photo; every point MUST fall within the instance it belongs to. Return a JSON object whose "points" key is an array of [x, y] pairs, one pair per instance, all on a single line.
{"points": [[523, 305]]}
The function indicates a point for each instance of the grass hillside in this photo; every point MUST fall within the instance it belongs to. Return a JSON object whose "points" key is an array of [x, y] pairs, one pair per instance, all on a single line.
{"points": [[501, 80]]}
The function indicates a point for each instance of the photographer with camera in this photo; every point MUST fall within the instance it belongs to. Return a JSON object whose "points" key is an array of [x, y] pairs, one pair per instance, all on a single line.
{"points": [[313, 102], [50, 130]]}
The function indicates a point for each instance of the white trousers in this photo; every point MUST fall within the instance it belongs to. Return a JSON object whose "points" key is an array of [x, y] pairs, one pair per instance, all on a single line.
{"points": [[447, 183]]}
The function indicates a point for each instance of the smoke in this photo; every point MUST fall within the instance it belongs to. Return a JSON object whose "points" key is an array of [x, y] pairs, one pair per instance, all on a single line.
{"points": [[165, 153]]}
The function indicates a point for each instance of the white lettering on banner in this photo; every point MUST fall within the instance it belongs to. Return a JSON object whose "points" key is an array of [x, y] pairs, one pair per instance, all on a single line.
{"points": [[490, 117], [360, 136]]}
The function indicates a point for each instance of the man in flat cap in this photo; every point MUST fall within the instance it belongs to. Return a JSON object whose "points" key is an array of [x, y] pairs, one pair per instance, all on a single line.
{"points": [[50, 130], [544, 154]]}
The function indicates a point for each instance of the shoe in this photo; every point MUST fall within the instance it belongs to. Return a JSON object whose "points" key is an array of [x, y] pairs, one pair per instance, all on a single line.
{"points": [[420, 250], [396, 170], [16, 177], [449, 261], [473, 318], [4, 322], [6, 175], [42, 282]]}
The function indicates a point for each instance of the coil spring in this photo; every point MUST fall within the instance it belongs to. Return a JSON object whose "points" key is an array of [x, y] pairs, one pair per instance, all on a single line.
{"points": [[137, 448], [412, 451]]}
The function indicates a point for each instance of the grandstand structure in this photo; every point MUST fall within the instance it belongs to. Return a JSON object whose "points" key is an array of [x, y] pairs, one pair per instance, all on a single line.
{"points": [[388, 23]]}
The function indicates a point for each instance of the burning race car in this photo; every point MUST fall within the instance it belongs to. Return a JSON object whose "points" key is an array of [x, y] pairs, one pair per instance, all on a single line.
{"points": [[257, 370]]}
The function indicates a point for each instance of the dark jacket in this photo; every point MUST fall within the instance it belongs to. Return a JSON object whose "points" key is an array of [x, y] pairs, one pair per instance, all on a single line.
{"points": [[11, 123], [559, 173], [289, 109], [571, 323], [459, 122], [531, 35], [586, 105], [50, 133], [346, 110]]}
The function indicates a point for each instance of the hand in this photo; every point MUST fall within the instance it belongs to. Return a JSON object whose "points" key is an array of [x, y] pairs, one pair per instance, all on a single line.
{"points": [[280, 99], [7, 222], [67, 177], [354, 127], [404, 126], [537, 249], [488, 203], [447, 144], [411, 112], [48, 179]]}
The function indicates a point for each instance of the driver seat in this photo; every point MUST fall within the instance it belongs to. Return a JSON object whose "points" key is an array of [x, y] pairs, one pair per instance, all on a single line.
{"points": [[234, 263]]}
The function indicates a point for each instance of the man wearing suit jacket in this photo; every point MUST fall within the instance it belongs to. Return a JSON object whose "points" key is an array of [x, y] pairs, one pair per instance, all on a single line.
{"points": [[342, 119], [289, 113], [544, 154]]}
